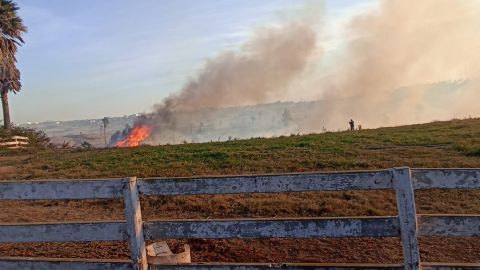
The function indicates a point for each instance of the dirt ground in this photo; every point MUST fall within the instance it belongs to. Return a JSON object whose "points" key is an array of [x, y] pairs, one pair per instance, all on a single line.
{"points": [[346, 250]]}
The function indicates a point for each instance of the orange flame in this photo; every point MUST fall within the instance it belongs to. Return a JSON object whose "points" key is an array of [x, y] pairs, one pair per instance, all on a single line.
{"points": [[137, 136]]}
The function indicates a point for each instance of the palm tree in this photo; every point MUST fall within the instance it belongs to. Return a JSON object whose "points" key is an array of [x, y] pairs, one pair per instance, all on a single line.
{"points": [[11, 30]]}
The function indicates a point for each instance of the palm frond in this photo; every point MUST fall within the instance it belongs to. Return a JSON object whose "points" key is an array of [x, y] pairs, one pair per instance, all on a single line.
{"points": [[11, 31]]}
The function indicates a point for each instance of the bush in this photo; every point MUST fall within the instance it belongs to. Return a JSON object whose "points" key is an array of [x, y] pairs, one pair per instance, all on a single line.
{"points": [[37, 138], [87, 145]]}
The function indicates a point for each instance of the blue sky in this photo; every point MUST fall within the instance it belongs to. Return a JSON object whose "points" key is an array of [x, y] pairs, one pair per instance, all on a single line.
{"points": [[89, 58]]}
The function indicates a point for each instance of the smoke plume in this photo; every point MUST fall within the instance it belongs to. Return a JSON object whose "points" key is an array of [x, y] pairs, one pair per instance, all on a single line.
{"points": [[386, 72], [264, 67], [387, 75], [258, 73]]}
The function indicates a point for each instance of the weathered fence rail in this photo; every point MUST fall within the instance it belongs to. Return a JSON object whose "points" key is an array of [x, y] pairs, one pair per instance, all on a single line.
{"points": [[15, 142], [407, 225]]}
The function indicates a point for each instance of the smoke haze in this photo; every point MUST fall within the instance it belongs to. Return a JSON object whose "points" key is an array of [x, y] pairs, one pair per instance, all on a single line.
{"points": [[386, 72], [406, 43]]}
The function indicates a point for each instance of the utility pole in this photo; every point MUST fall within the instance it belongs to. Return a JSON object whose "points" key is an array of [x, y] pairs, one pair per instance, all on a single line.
{"points": [[105, 122]]}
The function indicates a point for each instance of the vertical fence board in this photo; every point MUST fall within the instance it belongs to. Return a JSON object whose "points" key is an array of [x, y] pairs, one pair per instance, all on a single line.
{"points": [[133, 214], [402, 182]]}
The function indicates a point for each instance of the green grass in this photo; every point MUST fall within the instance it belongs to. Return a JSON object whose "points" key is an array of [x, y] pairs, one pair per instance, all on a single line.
{"points": [[439, 144]]}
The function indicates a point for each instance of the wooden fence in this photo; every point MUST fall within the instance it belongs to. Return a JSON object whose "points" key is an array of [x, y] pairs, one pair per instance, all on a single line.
{"points": [[15, 142], [407, 225]]}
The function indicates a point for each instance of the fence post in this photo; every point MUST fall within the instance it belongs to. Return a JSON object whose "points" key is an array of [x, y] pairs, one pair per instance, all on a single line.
{"points": [[407, 217], [133, 215]]}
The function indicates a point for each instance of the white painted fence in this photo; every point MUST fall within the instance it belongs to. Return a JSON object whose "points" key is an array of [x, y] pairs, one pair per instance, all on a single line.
{"points": [[407, 225], [15, 142]]}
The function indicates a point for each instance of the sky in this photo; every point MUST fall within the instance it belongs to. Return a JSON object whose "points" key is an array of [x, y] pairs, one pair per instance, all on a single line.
{"points": [[88, 59]]}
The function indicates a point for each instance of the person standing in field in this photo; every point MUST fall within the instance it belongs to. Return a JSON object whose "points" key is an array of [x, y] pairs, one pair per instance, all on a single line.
{"points": [[352, 125]]}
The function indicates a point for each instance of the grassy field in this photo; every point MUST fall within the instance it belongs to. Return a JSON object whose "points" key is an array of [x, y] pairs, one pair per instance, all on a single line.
{"points": [[439, 144]]}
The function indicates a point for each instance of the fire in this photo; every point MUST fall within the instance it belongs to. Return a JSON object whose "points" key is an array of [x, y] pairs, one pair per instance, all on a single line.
{"points": [[136, 136]]}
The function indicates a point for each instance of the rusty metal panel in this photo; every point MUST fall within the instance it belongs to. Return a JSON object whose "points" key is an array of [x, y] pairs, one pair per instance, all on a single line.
{"points": [[21, 263], [62, 232], [446, 178], [267, 183], [265, 228], [61, 189], [449, 225]]}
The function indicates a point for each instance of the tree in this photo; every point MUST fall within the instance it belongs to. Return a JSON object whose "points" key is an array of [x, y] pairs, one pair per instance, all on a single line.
{"points": [[11, 31]]}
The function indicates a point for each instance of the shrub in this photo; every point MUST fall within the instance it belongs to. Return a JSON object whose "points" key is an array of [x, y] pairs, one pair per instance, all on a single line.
{"points": [[37, 138], [87, 145]]}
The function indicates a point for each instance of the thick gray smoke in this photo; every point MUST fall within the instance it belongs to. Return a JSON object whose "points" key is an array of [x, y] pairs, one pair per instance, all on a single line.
{"points": [[385, 75], [260, 72], [265, 66]]}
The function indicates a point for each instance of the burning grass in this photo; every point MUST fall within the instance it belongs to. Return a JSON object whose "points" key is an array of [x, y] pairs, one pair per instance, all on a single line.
{"points": [[137, 135]]}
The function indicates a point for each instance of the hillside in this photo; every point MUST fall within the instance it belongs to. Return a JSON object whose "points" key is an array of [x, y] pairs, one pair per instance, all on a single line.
{"points": [[439, 144]]}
